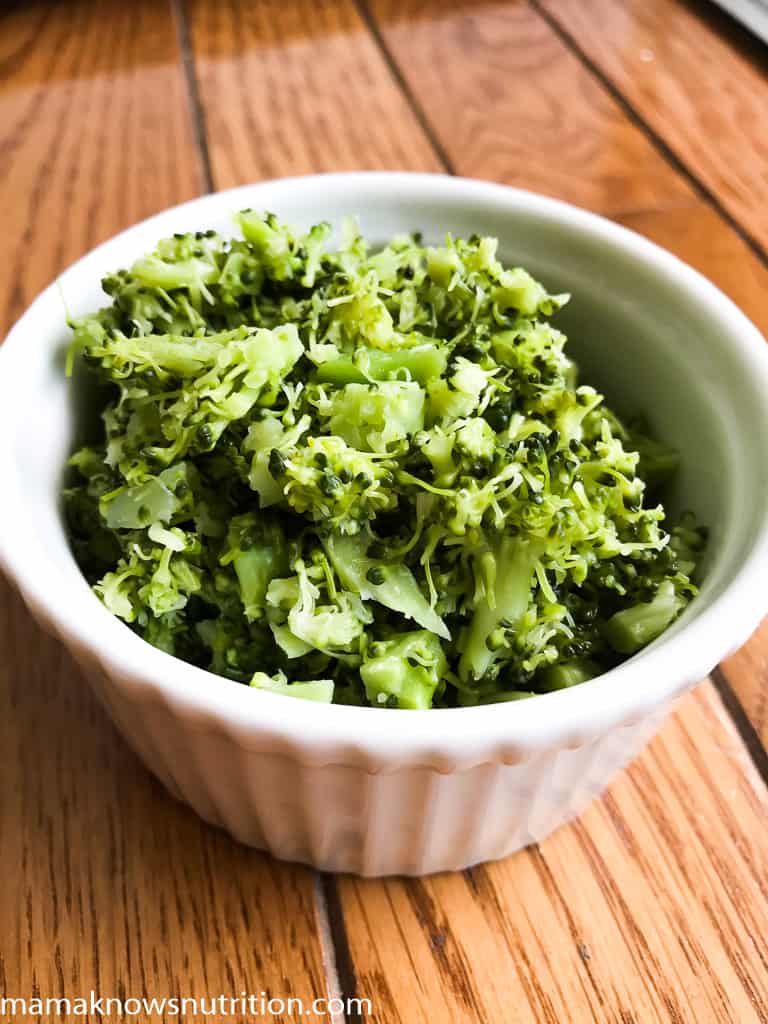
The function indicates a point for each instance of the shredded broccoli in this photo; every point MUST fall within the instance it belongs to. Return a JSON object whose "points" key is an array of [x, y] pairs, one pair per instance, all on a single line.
{"points": [[371, 477]]}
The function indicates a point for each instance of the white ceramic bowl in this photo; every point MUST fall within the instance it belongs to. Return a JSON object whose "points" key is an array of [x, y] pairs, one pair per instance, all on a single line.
{"points": [[375, 791]]}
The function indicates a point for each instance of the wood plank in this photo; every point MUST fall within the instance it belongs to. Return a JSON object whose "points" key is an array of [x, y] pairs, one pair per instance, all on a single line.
{"points": [[650, 908], [509, 102], [647, 851], [108, 884], [682, 70], [298, 87]]}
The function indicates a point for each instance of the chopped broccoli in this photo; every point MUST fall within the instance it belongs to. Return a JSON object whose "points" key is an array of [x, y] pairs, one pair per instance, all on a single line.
{"points": [[315, 612], [567, 673], [421, 363], [319, 690], [507, 569], [390, 584], [634, 627], [333, 483], [374, 417], [257, 550], [369, 477], [404, 672]]}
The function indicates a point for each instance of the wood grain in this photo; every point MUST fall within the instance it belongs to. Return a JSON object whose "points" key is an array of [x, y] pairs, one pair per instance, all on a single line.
{"points": [[650, 908], [86, 147], [706, 97], [509, 102], [107, 883], [298, 87]]}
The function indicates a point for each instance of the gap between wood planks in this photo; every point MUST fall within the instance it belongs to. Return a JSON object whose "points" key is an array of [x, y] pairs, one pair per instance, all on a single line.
{"points": [[739, 717], [339, 967], [197, 111], [419, 113]]}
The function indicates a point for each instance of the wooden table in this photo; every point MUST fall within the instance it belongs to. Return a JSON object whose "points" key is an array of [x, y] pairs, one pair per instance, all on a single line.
{"points": [[653, 906]]}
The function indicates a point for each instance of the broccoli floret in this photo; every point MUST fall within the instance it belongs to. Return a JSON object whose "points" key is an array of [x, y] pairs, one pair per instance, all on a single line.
{"points": [[193, 274], [462, 393], [390, 584], [315, 611], [476, 439], [264, 437], [273, 244], [332, 483], [160, 577]]}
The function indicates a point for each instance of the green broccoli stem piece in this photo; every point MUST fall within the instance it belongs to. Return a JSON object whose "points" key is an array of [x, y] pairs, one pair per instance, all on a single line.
{"points": [[154, 501], [257, 550], [629, 630], [515, 560], [392, 585], [271, 243], [156, 273], [254, 570], [405, 671], [423, 363], [318, 690], [567, 673]]}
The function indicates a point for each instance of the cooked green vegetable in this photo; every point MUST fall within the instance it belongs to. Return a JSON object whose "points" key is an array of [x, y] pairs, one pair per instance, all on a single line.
{"points": [[365, 476]]}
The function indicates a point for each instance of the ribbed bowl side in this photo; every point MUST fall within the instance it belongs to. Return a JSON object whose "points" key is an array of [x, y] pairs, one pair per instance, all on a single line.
{"points": [[340, 817]]}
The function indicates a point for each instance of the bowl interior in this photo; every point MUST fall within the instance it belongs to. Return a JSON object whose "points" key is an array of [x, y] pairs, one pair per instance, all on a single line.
{"points": [[645, 329]]}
